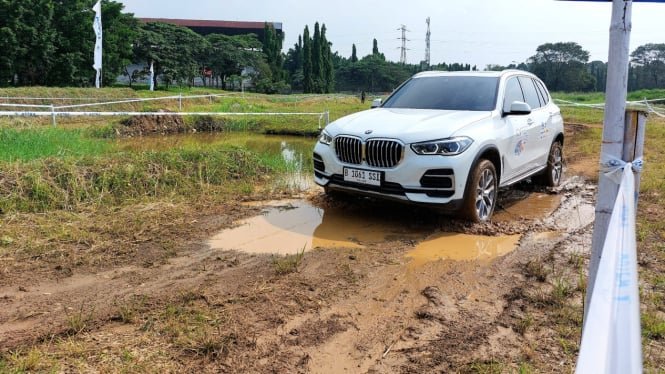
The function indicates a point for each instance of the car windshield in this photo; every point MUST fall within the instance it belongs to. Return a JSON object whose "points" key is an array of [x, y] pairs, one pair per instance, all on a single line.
{"points": [[446, 93]]}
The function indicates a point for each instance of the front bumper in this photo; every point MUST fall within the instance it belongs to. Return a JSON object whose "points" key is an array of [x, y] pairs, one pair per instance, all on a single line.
{"points": [[409, 181]]}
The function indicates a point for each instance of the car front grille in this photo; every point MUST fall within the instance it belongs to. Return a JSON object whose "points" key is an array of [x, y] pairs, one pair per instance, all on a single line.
{"points": [[349, 150], [378, 153], [383, 153]]}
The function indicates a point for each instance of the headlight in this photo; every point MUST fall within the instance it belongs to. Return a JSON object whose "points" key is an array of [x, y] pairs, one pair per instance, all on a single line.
{"points": [[325, 138], [444, 147]]}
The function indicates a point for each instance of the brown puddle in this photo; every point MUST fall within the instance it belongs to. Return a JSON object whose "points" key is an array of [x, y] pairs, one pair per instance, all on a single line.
{"points": [[462, 247], [534, 206], [297, 225]]}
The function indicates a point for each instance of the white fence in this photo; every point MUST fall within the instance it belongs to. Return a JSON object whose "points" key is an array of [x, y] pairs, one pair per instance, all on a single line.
{"points": [[611, 339], [648, 105], [55, 111]]}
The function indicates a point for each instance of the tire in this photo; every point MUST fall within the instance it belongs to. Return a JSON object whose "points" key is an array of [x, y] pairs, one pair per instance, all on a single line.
{"points": [[481, 192], [553, 173]]}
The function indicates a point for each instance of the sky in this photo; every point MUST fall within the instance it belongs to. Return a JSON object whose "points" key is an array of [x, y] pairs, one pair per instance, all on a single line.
{"points": [[477, 32]]}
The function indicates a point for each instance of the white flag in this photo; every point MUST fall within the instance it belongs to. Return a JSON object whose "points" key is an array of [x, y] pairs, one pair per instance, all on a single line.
{"points": [[152, 75], [97, 26]]}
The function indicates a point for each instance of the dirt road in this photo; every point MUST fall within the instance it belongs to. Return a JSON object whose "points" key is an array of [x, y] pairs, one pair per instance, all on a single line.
{"points": [[364, 287]]}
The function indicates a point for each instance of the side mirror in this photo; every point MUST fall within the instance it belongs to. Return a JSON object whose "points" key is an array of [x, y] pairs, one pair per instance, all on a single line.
{"points": [[376, 103], [520, 108]]}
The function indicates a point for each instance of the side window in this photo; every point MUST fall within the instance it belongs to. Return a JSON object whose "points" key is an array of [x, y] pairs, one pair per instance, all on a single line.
{"points": [[530, 93], [513, 93], [543, 92]]}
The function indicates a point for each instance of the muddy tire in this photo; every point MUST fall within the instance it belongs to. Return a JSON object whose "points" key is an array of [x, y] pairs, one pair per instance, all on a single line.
{"points": [[553, 173], [481, 192]]}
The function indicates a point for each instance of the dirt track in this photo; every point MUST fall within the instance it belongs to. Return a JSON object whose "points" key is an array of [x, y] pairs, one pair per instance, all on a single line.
{"points": [[368, 309]]}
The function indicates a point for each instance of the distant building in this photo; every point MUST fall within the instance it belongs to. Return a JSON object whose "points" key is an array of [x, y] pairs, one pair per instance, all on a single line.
{"points": [[205, 27]]}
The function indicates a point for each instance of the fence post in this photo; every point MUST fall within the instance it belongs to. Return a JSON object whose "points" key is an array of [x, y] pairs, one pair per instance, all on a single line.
{"points": [[633, 141], [327, 118], [180, 102], [53, 115], [613, 130]]}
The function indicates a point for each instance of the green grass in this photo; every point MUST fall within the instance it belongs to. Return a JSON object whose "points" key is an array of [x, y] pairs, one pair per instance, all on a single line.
{"points": [[117, 179], [599, 97], [289, 263], [31, 144]]}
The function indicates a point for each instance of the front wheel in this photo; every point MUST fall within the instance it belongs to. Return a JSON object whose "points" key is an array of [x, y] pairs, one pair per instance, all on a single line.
{"points": [[481, 192], [553, 173]]}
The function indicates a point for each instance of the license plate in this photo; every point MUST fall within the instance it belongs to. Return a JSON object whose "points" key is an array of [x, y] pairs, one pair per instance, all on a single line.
{"points": [[362, 176]]}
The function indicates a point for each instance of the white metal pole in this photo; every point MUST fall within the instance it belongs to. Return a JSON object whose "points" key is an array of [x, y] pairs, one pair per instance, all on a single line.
{"points": [[613, 128]]}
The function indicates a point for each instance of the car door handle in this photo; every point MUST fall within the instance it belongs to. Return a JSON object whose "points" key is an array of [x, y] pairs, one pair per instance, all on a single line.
{"points": [[529, 122]]}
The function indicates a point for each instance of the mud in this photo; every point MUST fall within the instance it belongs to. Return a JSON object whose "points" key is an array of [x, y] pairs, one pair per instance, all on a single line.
{"points": [[138, 126], [291, 227], [461, 247]]}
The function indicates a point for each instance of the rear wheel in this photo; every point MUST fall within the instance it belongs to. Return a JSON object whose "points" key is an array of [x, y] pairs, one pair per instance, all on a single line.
{"points": [[553, 173], [481, 192]]}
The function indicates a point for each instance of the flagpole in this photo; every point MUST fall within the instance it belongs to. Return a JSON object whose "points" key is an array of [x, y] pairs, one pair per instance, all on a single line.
{"points": [[97, 26]]}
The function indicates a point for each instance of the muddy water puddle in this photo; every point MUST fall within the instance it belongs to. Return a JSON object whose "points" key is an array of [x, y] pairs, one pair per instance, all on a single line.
{"points": [[291, 227], [523, 205], [296, 226], [462, 247]]}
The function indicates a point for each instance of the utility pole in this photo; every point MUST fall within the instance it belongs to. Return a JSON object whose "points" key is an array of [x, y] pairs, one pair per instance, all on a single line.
{"points": [[402, 58], [428, 45]]}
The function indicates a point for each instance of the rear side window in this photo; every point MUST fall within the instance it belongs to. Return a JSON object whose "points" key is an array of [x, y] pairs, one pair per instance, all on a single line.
{"points": [[530, 93], [513, 93], [543, 92]]}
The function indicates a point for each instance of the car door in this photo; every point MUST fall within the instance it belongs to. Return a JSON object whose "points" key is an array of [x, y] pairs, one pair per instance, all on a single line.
{"points": [[515, 155], [538, 144], [552, 122]]}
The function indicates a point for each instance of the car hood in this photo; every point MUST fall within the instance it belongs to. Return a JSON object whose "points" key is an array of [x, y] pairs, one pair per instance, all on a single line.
{"points": [[408, 125]]}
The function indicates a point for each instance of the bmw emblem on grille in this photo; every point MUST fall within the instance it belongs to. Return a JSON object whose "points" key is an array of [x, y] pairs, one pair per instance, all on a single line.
{"points": [[369, 132]]}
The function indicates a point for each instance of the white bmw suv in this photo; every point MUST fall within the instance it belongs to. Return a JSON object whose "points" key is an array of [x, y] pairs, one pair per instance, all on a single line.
{"points": [[446, 139]]}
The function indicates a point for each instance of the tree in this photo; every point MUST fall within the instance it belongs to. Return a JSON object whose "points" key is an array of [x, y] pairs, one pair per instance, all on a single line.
{"points": [[562, 66], [120, 30], [317, 61], [8, 43], [272, 49], [176, 51], [227, 56], [598, 70], [327, 68], [354, 54], [32, 37], [293, 64], [649, 61], [74, 43], [375, 47], [308, 81]]}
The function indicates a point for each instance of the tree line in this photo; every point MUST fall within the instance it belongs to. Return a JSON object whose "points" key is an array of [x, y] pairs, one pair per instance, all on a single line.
{"points": [[565, 66], [50, 43]]}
